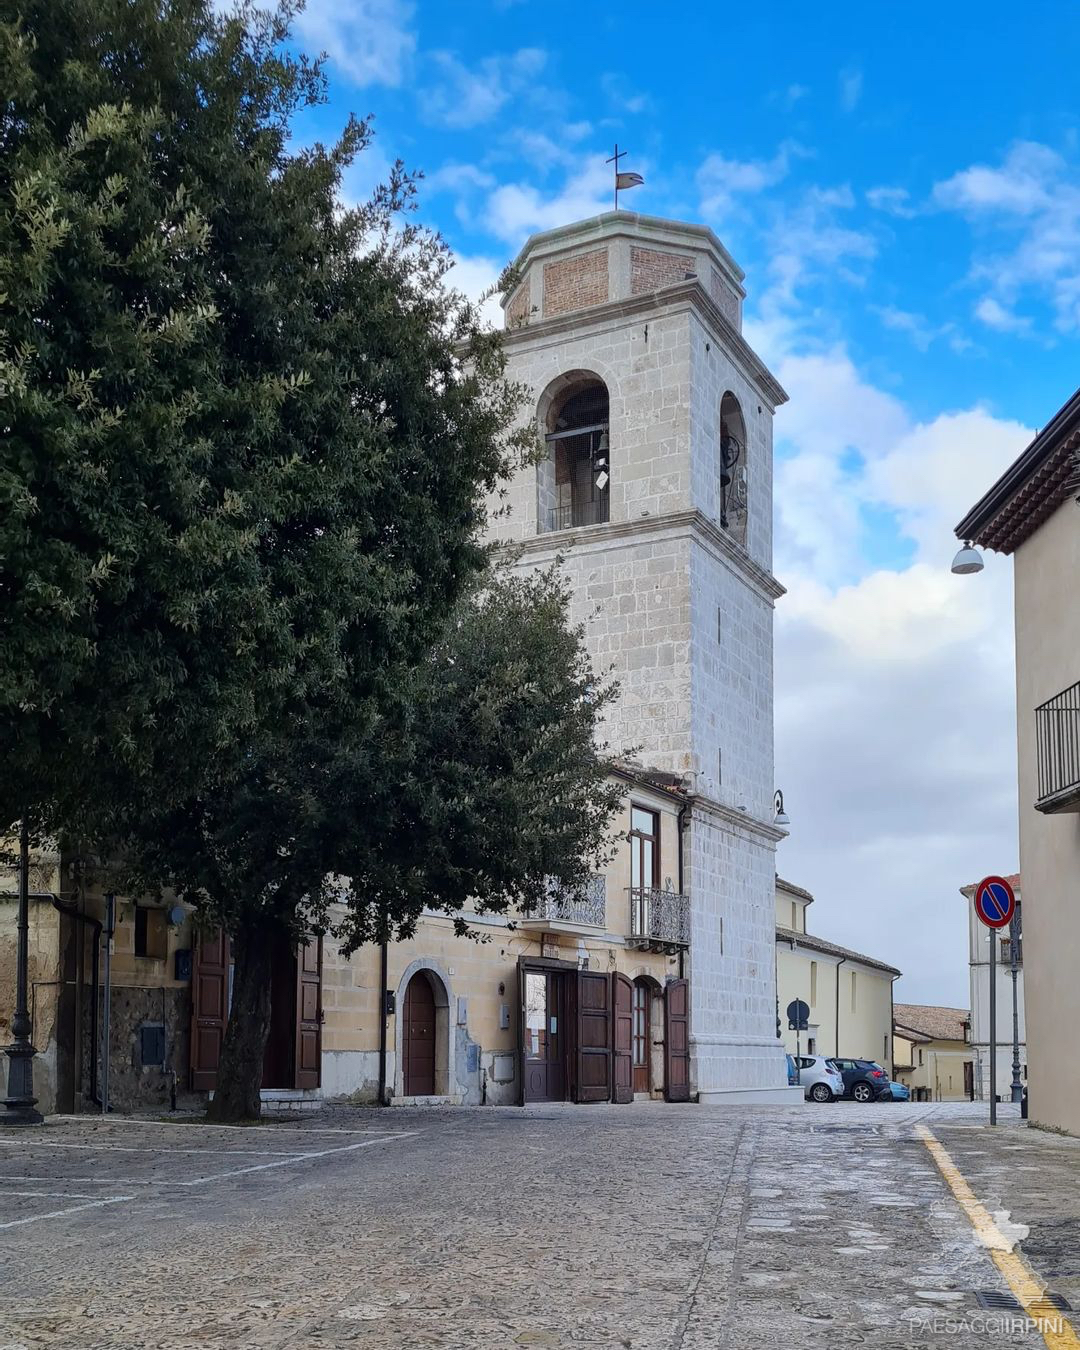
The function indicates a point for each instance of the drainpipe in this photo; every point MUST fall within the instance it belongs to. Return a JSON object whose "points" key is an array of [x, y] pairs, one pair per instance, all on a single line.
{"points": [[384, 959], [838, 965], [892, 1023], [73, 912], [680, 826]]}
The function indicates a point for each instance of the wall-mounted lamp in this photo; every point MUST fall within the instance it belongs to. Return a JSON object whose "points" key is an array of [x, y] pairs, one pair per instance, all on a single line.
{"points": [[967, 561], [780, 816]]}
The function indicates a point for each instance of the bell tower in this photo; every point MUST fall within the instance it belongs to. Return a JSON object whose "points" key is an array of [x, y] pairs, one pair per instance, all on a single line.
{"points": [[657, 492]]}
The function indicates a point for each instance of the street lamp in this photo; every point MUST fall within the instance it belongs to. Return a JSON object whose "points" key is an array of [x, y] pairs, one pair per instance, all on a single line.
{"points": [[20, 1103], [967, 561], [780, 815]]}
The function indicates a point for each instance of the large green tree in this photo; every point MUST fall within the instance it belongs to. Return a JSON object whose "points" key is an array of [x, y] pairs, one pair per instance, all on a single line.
{"points": [[241, 450], [248, 436], [473, 788]]}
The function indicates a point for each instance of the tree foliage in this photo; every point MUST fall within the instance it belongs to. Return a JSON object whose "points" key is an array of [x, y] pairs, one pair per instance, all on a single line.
{"points": [[248, 636], [223, 398]]}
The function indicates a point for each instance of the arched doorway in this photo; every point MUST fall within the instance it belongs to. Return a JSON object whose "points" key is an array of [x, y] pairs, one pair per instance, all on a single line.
{"points": [[641, 1041], [418, 1038]]}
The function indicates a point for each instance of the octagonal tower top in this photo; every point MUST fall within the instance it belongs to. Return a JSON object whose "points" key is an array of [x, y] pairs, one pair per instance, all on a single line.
{"points": [[615, 256]]}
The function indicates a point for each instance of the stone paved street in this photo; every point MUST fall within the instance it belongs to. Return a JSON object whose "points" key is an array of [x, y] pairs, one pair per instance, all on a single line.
{"points": [[633, 1226]]}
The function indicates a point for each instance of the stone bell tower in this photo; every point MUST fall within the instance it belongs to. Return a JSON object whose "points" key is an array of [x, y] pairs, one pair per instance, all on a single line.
{"points": [[657, 491]]}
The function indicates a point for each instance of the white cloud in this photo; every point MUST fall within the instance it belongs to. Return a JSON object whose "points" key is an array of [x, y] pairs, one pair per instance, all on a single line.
{"points": [[895, 721], [994, 314], [370, 41], [1022, 185], [916, 326], [894, 201], [467, 96], [515, 210], [851, 84], [621, 97], [722, 181], [1026, 216], [473, 276]]}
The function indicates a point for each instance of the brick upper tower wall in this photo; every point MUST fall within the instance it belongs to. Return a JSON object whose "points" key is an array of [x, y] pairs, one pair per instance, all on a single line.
{"points": [[650, 269], [576, 283]]}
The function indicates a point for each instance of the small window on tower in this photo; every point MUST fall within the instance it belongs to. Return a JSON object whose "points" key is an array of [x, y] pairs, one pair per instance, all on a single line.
{"points": [[719, 625], [720, 766]]}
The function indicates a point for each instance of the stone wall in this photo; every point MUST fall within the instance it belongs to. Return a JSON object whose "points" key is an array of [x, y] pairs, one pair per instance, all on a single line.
{"points": [[134, 1086]]}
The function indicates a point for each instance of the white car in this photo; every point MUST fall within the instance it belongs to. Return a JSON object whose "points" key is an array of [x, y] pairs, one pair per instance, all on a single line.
{"points": [[822, 1083]]}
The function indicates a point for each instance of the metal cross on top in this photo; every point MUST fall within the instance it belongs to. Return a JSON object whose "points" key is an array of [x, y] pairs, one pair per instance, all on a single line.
{"points": [[622, 180]]}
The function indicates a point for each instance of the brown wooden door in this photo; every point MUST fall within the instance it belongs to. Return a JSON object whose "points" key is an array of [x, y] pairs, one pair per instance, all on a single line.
{"points": [[677, 1041], [209, 1007], [418, 1038], [642, 1050], [622, 1038], [593, 1078], [309, 1014], [969, 1080], [543, 1036]]}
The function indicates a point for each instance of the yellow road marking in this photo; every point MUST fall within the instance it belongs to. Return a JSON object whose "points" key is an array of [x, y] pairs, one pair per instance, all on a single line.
{"points": [[1029, 1290]]}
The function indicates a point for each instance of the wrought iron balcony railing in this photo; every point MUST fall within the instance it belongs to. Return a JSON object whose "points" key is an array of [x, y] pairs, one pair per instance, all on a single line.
{"points": [[1057, 748], [579, 513], [659, 919], [559, 906]]}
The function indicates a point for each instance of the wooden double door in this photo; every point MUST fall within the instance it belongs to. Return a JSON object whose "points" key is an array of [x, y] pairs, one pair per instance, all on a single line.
{"points": [[293, 1056], [585, 1036]]}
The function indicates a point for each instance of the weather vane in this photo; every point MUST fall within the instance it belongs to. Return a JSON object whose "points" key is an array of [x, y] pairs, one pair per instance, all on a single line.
{"points": [[623, 180]]}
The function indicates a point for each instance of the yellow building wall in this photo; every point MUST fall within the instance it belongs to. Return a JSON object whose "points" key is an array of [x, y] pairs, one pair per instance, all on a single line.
{"points": [[939, 1077], [1047, 662], [864, 1033]]}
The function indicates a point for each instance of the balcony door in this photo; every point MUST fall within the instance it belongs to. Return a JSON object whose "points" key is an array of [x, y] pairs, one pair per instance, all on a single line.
{"points": [[644, 866]]}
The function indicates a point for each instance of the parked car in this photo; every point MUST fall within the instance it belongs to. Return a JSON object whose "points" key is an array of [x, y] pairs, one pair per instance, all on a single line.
{"points": [[821, 1081], [899, 1091], [792, 1071], [864, 1079]]}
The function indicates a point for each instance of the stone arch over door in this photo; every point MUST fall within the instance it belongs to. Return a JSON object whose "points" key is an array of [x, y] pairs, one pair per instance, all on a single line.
{"points": [[442, 996], [645, 976]]}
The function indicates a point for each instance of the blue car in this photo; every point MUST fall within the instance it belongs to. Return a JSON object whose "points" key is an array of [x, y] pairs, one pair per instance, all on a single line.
{"points": [[899, 1093]]}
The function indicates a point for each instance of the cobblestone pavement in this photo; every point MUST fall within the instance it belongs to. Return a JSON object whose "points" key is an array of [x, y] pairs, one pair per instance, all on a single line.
{"points": [[637, 1226]]}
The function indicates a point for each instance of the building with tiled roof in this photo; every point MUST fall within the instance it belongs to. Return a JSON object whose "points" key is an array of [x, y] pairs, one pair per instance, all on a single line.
{"points": [[933, 1057]]}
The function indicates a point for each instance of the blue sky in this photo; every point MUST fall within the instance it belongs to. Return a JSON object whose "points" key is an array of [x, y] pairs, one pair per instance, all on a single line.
{"points": [[902, 187]]}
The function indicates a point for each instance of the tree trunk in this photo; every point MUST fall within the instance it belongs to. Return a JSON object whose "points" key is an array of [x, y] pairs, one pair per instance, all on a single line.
{"points": [[240, 1068]]}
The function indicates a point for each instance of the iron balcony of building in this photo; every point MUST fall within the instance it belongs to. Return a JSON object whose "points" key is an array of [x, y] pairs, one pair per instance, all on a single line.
{"points": [[659, 919], [560, 911], [570, 517], [1057, 744]]}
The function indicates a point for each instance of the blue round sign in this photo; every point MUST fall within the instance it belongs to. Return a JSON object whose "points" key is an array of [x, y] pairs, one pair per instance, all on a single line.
{"points": [[994, 902]]}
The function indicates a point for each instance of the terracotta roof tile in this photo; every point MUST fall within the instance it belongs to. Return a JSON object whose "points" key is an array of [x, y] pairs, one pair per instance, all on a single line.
{"points": [[932, 1020]]}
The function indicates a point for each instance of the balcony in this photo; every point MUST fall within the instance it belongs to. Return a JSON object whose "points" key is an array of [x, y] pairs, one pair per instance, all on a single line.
{"points": [[560, 912], [578, 513], [1057, 748], [659, 920]]}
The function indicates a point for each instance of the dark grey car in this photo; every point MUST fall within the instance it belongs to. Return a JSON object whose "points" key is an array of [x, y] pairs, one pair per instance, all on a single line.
{"points": [[864, 1079]]}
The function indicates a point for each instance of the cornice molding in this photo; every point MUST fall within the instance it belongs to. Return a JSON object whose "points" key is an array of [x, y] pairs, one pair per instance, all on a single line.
{"points": [[684, 296], [691, 521]]}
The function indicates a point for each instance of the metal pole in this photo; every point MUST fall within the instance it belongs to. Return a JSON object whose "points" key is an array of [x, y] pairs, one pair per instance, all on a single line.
{"points": [[993, 1026], [20, 1103], [110, 901], [1014, 954]]}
